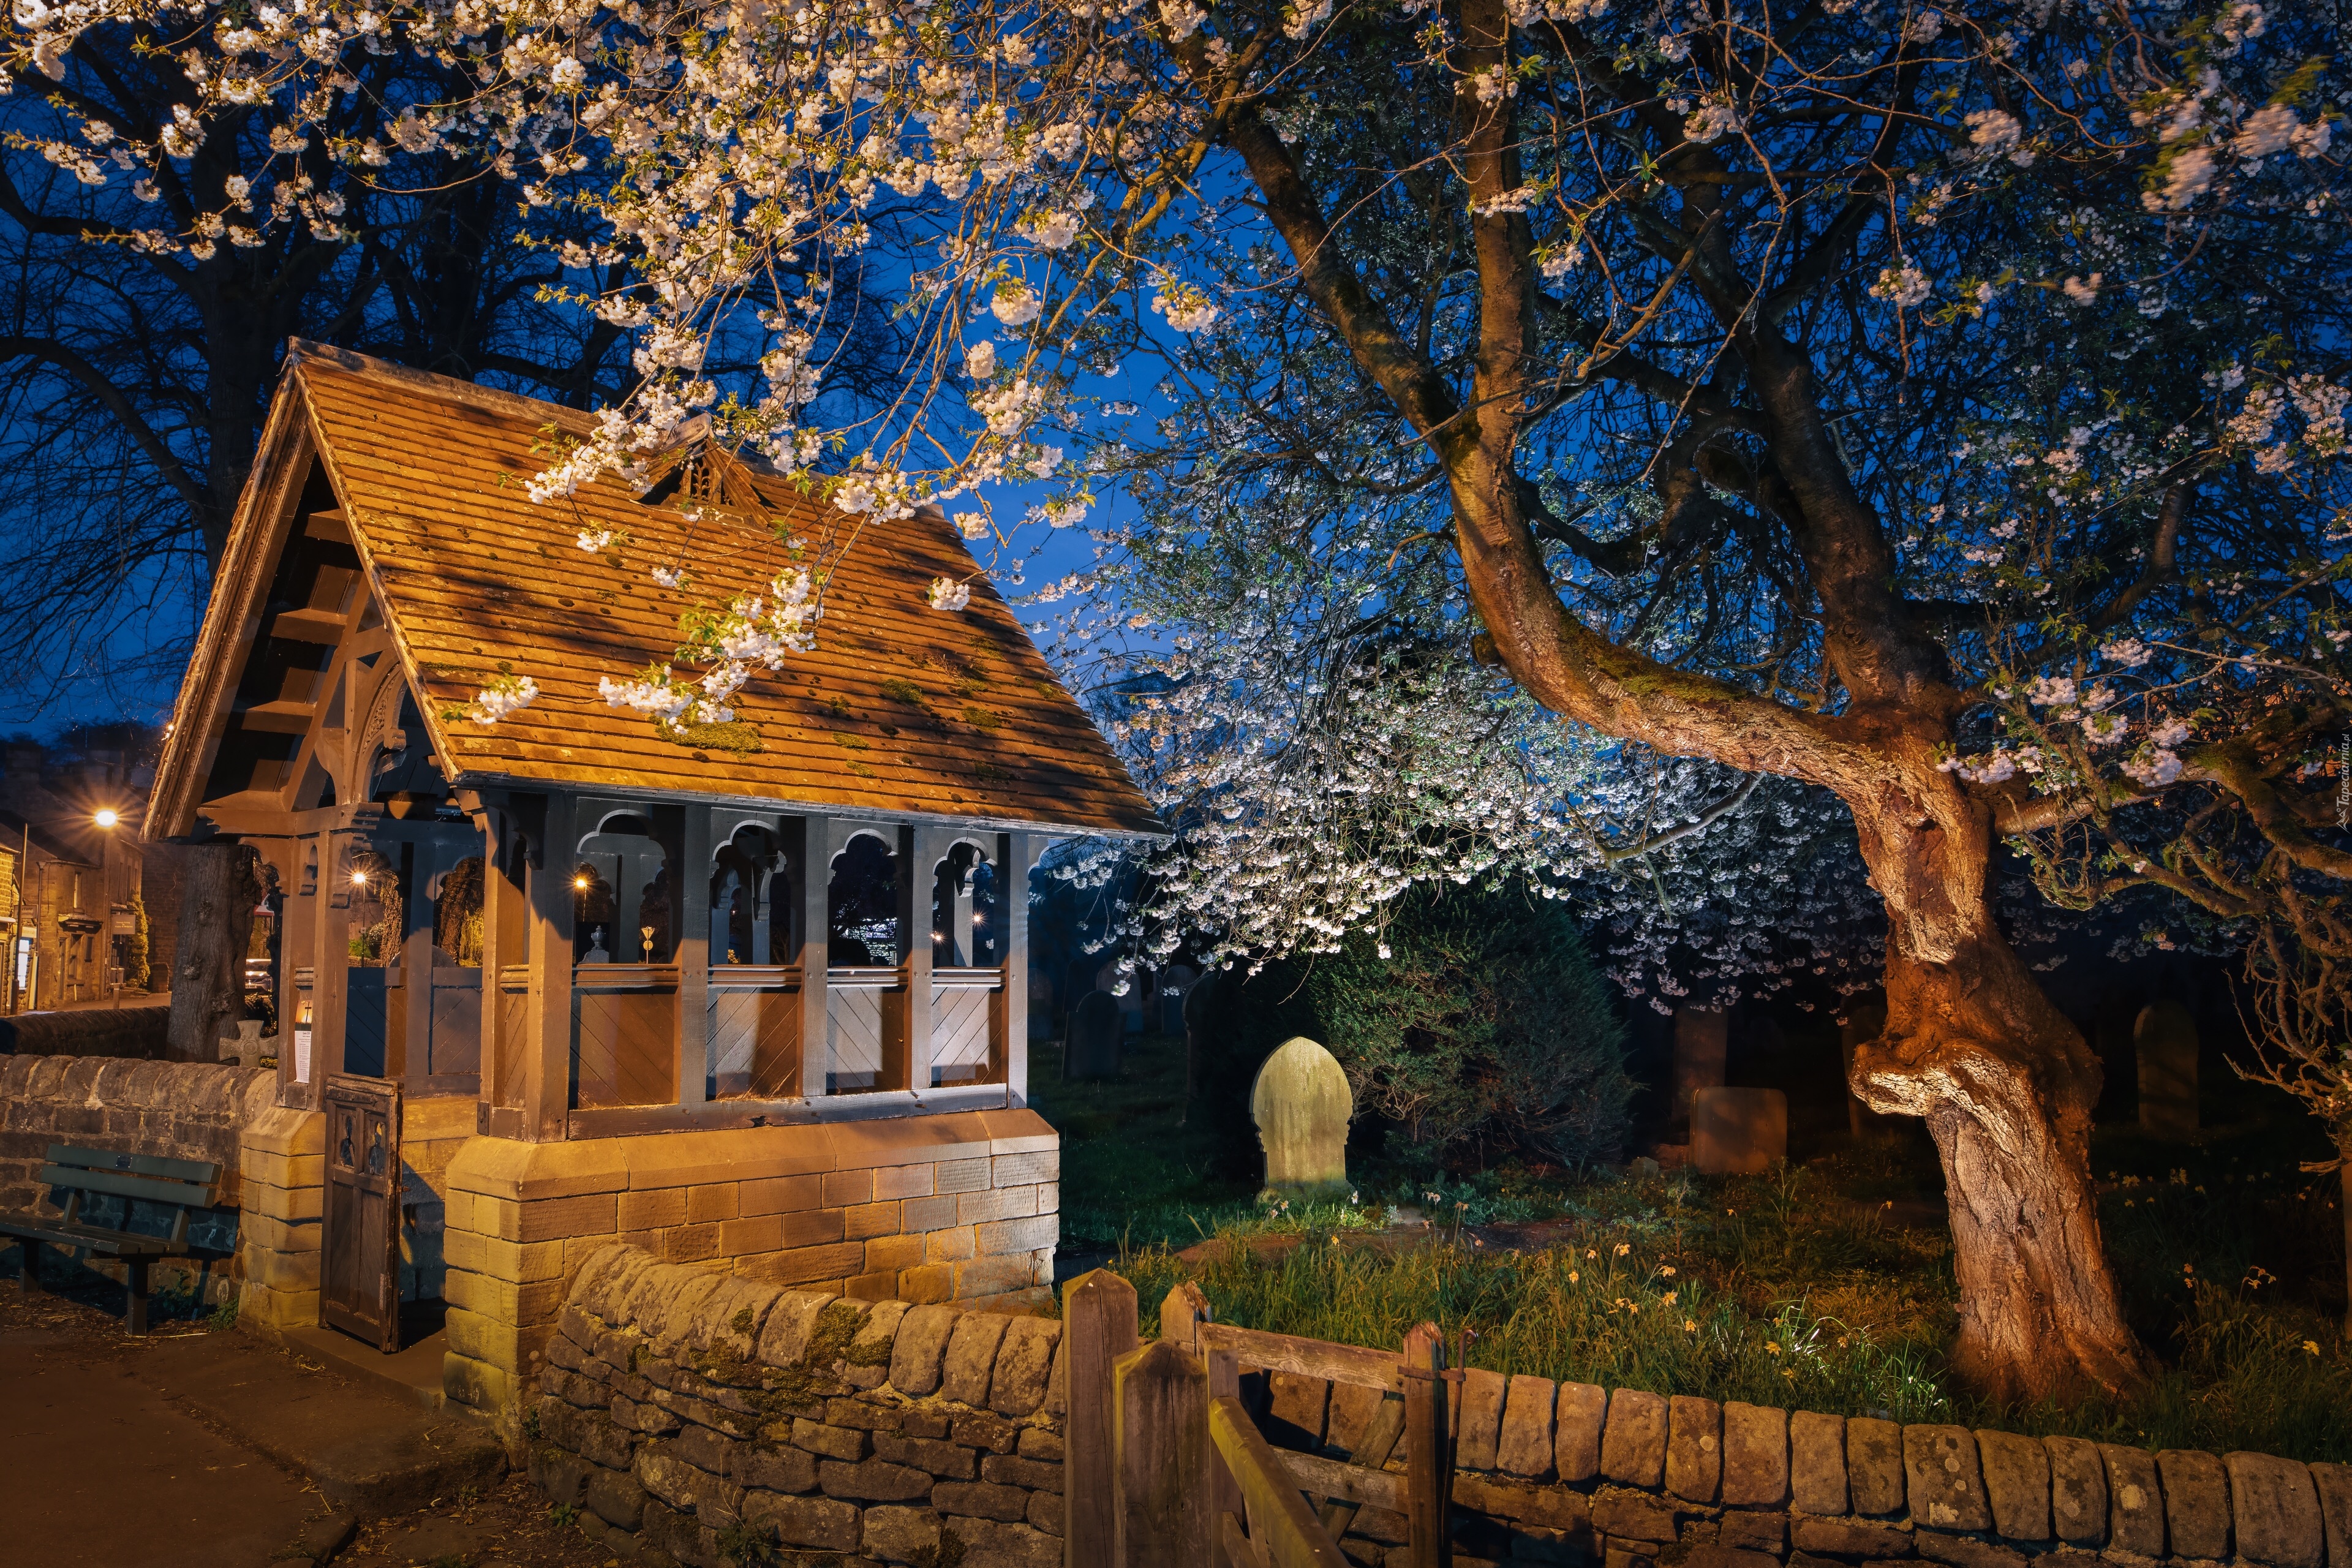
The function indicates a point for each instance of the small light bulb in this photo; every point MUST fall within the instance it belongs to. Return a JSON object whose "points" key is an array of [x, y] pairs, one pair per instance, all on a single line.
{"points": [[107, 817], [580, 882], [359, 879]]}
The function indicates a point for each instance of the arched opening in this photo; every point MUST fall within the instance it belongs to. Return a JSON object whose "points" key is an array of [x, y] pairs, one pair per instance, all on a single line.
{"points": [[457, 915], [625, 872], [375, 925], [861, 906], [965, 916], [750, 910]]}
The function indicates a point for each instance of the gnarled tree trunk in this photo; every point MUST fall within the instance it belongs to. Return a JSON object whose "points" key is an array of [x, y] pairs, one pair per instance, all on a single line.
{"points": [[2006, 1085], [216, 899]]}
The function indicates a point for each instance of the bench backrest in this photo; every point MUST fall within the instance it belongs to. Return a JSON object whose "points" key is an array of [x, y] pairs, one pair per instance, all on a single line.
{"points": [[145, 1178]]}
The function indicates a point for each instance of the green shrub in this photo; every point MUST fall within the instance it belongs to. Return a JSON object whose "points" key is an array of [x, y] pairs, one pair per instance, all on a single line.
{"points": [[1479, 1016]]}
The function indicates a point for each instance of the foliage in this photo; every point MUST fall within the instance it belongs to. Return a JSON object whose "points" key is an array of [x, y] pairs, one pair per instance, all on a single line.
{"points": [[564, 1515], [136, 969], [1480, 1017], [1789, 1290]]}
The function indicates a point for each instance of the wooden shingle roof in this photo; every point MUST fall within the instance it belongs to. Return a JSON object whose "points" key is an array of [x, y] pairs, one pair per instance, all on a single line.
{"points": [[900, 710]]}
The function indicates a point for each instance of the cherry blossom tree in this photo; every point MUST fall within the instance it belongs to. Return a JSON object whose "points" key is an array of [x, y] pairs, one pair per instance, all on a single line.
{"points": [[1848, 397]]}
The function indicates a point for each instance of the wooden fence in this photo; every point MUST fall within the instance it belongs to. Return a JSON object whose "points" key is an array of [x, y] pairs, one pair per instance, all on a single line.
{"points": [[1166, 1468]]}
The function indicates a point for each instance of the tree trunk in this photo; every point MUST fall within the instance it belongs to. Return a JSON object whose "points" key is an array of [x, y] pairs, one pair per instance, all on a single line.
{"points": [[2006, 1085], [2344, 1202], [217, 901]]}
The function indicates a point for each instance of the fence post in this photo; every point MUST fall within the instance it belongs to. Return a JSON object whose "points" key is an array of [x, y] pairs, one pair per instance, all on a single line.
{"points": [[1181, 1311], [1160, 1436], [1099, 1326], [1425, 1439]]}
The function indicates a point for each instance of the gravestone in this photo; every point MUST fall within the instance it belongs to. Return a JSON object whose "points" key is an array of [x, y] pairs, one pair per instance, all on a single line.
{"points": [[1700, 1037], [1739, 1131], [1090, 1050], [1301, 1103], [1865, 1020], [2165, 1039]]}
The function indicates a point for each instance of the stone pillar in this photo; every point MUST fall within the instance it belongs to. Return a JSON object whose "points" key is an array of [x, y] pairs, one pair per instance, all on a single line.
{"points": [[283, 1183], [1700, 1039], [2165, 1039]]}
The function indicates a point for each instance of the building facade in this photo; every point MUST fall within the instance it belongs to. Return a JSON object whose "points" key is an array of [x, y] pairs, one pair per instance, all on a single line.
{"points": [[753, 996]]}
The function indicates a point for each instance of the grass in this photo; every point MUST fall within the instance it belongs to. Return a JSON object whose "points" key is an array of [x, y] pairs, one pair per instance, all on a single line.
{"points": [[1827, 1286]]}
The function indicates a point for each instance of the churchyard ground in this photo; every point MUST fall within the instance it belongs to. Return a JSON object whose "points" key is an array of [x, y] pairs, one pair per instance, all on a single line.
{"points": [[1827, 1285]]}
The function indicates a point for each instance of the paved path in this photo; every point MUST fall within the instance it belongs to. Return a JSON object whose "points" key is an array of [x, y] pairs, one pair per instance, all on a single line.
{"points": [[103, 1471]]}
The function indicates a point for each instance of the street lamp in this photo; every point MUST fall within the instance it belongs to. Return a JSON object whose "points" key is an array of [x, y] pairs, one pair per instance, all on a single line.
{"points": [[106, 817]]}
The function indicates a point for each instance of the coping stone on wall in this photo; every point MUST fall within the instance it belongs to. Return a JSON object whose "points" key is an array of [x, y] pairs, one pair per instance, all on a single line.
{"points": [[2134, 1502], [2078, 1491], [1634, 1442], [2196, 1503], [1576, 1434], [1817, 1463], [2277, 1511]]}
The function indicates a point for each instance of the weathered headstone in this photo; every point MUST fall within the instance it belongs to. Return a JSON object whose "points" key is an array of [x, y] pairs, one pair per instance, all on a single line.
{"points": [[1301, 1104], [1090, 1050], [1739, 1131], [2165, 1039], [1865, 1020], [1700, 1037]]}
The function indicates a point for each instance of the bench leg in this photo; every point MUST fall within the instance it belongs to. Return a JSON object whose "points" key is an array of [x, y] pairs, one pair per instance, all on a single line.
{"points": [[138, 1267], [30, 1260]]}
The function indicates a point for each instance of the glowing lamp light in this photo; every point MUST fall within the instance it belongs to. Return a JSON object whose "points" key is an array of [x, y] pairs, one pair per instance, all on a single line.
{"points": [[359, 879], [107, 817], [581, 881]]}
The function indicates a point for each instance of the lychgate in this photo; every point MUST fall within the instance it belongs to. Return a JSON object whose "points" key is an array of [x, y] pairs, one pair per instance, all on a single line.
{"points": [[753, 995]]}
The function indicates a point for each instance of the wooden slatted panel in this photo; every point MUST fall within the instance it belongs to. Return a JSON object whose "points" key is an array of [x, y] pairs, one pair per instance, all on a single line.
{"points": [[852, 1038], [457, 1025], [623, 1049], [473, 575], [364, 1022], [959, 1034], [514, 1053], [755, 1042]]}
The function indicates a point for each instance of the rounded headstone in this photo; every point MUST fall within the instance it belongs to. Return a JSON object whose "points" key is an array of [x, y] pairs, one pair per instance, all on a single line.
{"points": [[1091, 1050], [1302, 1104]]}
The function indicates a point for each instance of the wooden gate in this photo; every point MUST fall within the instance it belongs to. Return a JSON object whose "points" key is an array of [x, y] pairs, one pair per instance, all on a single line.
{"points": [[359, 1273]]}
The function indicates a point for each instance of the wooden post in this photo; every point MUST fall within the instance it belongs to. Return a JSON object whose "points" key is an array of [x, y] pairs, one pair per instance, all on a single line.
{"points": [[1099, 1326], [548, 1026], [1008, 1021], [330, 979], [1182, 1312], [1159, 1440], [809, 841], [919, 857], [691, 898], [1425, 1447]]}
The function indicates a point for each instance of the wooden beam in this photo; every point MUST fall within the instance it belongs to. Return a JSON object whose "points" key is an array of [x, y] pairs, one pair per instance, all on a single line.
{"points": [[1292, 1536], [1351, 1365]]}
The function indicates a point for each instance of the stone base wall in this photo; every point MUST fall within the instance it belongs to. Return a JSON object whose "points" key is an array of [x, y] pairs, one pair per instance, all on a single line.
{"points": [[1624, 1478], [431, 1133], [678, 1410], [179, 1110], [284, 1158], [920, 1209]]}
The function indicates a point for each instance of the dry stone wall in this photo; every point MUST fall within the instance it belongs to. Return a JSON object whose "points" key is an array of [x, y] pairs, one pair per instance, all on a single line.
{"points": [[681, 1410], [180, 1110], [1570, 1473]]}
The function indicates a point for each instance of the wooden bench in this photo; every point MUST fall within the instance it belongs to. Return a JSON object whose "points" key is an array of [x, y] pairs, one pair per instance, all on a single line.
{"points": [[71, 1173]]}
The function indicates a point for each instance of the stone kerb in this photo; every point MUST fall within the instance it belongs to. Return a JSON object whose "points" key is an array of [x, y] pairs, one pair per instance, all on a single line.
{"points": [[180, 1110], [676, 1407]]}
